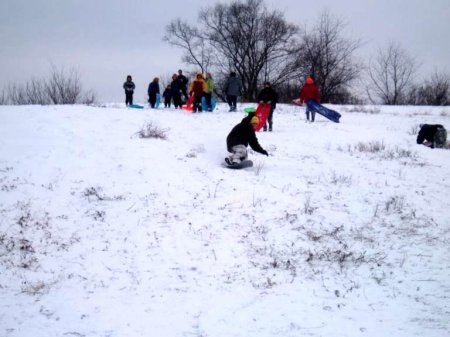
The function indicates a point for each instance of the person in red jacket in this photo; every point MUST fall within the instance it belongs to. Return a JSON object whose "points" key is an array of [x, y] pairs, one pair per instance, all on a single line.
{"points": [[309, 92]]}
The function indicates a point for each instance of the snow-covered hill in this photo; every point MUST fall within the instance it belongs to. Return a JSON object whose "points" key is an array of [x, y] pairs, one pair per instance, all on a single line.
{"points": [[344, 230]]}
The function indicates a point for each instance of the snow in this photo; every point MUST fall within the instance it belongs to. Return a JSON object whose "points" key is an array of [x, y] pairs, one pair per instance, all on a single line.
{"points": [[104, 233]]}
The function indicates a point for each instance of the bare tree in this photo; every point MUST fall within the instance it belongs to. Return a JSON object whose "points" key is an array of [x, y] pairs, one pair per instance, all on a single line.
{"points": [[391, 73], [63, 88], [35, 92], [435, 91], [32, 92], [180, 34], [258, 44], [60, 88], [16, 94], [327, 56], [241, 36]]}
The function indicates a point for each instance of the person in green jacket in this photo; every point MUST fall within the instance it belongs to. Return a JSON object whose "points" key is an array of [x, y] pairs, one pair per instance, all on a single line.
{"points": [[209, 91]]}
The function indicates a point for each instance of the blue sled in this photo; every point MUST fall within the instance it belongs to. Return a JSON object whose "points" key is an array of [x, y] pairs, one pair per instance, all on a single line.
{"points": [[135, 106], [325, 112], [158, 101], [205, 107]]}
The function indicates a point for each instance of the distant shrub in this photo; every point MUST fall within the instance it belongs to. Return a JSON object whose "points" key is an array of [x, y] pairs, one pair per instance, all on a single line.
{"points": [[60, 88]]}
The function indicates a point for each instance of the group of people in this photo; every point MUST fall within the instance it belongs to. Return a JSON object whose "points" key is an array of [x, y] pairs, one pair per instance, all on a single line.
{"points": [[243, 134], [176, 91]]}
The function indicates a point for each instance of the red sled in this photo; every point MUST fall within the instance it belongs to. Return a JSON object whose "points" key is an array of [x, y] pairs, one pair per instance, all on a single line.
{"points": [[189, 102], [262, 112]]}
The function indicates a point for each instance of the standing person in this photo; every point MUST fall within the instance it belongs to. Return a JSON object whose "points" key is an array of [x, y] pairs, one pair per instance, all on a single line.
{"points": [[241, 136], [209, 90], [182, 82], [176, 91], [309, 92], [197, 87], [268, 95], [129, 90], [432, 135], [153, 90], [232, 89], [167, 94]]}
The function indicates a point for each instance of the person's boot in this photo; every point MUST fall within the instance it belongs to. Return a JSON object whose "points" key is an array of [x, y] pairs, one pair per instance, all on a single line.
{"points": [[270, 126]]}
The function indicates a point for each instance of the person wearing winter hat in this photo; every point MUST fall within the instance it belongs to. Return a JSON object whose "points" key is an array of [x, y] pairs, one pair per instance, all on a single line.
{"points": [[309, 92], [129, 87], [241, 136], [268, 95]]}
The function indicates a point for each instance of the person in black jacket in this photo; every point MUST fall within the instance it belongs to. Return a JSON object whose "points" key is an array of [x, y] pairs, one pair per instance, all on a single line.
{"points": [[153, 90], [129, 90], [432, 135], [268, 95], [182, 82], [167, 94], [176, 91], [241, 136]]}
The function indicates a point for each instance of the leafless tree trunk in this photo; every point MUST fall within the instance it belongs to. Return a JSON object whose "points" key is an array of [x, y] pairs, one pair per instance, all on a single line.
{"points": [[241, 36], [327, 56], [391, 72], [257, 43]]}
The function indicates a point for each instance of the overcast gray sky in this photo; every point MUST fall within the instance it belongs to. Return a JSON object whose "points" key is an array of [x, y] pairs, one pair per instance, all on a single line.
{"points": [[107, 39]]}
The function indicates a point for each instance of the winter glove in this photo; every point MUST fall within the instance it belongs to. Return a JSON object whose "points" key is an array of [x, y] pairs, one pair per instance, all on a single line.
{"points": [[265, 153]]}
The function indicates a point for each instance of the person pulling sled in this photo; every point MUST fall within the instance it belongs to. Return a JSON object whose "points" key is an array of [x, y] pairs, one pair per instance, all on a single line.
{"points": [[309, 92]]}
